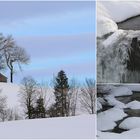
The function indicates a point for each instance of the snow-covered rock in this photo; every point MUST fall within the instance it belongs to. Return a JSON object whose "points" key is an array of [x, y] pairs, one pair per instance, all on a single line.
{"points": [[106, 120], [133, 105], [130, 123]]}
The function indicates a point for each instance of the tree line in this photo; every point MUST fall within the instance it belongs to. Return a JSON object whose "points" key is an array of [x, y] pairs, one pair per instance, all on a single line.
{"points": [[68, 95]]}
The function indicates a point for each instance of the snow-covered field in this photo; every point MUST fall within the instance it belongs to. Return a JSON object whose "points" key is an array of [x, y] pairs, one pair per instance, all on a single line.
{"points": [[79, 127], [121, 120]]}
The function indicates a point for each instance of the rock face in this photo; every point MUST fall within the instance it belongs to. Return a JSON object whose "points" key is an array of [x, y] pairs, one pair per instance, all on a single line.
{"points": [[118, 57], [132, 23], [133, 63]]}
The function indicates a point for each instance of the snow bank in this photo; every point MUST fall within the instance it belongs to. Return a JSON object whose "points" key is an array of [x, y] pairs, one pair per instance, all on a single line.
{"points": [[79, 127], [130, 123], [106, 120], [133, 105]]}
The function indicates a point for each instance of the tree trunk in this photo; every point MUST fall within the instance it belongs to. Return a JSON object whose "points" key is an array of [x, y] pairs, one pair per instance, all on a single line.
{"points": [[11, 75], [11, 71]]}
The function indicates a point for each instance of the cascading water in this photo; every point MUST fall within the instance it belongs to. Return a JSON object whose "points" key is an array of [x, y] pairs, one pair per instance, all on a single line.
{"points": [[118, 56]]}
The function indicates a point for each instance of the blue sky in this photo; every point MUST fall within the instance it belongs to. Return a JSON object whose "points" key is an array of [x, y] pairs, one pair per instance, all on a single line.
{"points": [[57, 35]]}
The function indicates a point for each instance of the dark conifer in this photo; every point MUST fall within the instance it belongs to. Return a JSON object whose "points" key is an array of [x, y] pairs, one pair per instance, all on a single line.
{"points": [[61, 88]]}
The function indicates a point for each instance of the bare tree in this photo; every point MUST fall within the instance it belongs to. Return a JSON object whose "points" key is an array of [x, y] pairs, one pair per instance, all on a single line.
{"points": [[15, 55], [72, 97], [28, 95], [5, 44], [88, 96], [46, 95]]}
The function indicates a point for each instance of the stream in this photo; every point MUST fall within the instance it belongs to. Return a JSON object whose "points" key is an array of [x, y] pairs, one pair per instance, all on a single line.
{"points": [[130, 112]]}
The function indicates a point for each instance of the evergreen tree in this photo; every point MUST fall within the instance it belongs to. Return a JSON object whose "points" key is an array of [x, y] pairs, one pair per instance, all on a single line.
{"points": [[40, 111], [61, 88]]}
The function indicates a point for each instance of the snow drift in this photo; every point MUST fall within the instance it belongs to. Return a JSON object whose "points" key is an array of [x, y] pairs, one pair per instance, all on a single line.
{"points": [[79, 127]]}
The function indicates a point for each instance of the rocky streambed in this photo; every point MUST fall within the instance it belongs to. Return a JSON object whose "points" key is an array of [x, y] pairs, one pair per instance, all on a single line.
{"points": [[129, 111]]}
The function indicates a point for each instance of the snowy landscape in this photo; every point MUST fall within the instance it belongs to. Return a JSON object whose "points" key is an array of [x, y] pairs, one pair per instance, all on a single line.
{"points": [[47, 70], [80, 125], [118, 115], [118, 35]]}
